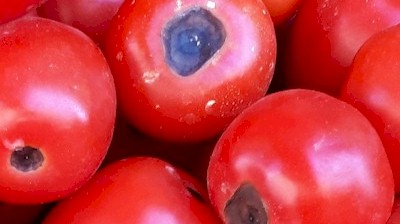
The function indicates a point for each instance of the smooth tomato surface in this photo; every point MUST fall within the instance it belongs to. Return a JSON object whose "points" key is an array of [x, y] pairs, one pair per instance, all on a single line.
{"points": [[282, 11], [326, 35], [373, 87], [10, 10], [92, 17], [137, 190], [309, 157], [57, 110], [190, 107]]}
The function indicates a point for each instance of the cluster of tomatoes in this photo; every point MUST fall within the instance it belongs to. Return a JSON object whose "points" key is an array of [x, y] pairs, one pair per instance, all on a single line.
{"points": [[200, 111]]}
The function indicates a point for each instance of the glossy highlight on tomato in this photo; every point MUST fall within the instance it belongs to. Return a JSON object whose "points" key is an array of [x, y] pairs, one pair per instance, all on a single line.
{"points": [[185, 69], [301, 156], [57, 110]]}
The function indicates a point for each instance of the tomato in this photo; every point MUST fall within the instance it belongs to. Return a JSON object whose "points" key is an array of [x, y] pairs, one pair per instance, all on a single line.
{"points": [[10, 10], [57, 110], [184, 69], [395, 216], [282, 11], [301, 156], [372, 87], [325, 36], [137, 190], [92, 17]]}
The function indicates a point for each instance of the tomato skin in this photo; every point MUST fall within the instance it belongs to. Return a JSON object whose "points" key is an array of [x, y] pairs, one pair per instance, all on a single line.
{"points": [[326, 35], [199, 106], [282, 11], [57, 95], [395, 216], [312, 158], [137, 190], [15, 9], [372, 87], [92, 17]]}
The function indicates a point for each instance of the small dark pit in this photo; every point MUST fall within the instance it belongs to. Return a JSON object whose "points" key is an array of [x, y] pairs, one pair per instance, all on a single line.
{"points": [[26, 159], [245, 207]]}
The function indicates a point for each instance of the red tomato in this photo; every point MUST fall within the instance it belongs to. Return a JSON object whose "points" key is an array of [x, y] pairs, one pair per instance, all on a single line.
{"points": [[141, 190], [301, 156], [373, 87], [395, 217], [92, 17], [185, 69], [10, 10], [282, 11], [57, 110], [326, 35]]}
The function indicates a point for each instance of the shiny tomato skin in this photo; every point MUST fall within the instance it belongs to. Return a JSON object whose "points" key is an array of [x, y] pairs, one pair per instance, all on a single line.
{"points": [[373, 87], [171, 107], [311, 157], [92, 17], [56, 95], [141, 190], [10, 10], [325, 36]]}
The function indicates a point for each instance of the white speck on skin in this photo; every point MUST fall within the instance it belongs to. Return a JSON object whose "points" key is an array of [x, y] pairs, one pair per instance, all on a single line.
{"points": [[211, 4], [209, 105], [150, 76]]}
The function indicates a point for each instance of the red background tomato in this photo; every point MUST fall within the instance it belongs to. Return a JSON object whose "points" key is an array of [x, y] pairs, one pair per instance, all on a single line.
{"points": [[326, 35], [282, 11], [10, 10], [373, 87], [92, 17]]}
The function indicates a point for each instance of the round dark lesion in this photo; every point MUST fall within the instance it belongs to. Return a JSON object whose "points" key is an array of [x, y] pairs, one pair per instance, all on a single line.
{"points": [[26, 158], [245, 207], [191, 39]]}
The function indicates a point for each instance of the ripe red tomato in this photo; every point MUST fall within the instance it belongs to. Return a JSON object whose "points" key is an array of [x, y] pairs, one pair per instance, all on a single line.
{"points": [[282, 11], [185, 69], [10, 10], [57, 110], [92, 17], [141, 190], [325, 36], [373, 87], [301, 156]]}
